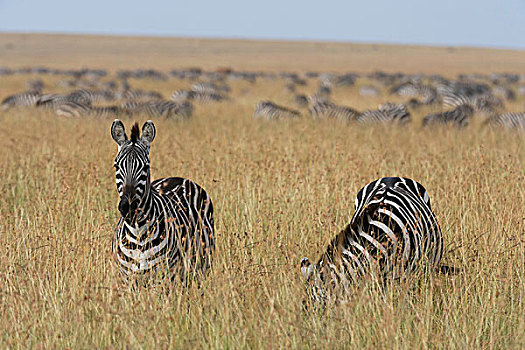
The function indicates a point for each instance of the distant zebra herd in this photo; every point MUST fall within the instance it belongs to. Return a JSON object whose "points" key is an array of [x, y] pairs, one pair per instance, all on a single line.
{"points": [[83, 102], [452, 102]]}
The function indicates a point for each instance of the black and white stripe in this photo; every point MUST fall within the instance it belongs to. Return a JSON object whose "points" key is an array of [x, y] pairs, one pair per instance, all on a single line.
{"points": [[486, 103], [75, 109], [392, 233], [166, 226], [459, 117], [23, 99], [325, 109], [386, 113], [159, 109], [210, 87], [509, 121], [197, 96], [271, 111], [137, 95]]}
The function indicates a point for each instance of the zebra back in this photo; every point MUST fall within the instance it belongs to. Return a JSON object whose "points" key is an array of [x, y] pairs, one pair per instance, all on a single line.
{"points": [[459, 117], [272, 111], [324, 109], [387, 112], [509, 121]]}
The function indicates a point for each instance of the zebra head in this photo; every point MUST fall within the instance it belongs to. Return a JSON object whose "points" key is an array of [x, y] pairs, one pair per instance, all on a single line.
{"points": [[132, 166]]}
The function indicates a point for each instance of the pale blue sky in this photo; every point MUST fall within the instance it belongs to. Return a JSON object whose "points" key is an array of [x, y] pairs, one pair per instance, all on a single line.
{"points": [[493, 23]]}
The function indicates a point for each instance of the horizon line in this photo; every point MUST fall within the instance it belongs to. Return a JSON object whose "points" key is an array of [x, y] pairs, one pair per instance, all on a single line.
{"points": [[275, 39]]}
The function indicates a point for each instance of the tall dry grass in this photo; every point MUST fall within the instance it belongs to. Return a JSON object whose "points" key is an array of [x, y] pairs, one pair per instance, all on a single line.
{"points": [[281, 191]]}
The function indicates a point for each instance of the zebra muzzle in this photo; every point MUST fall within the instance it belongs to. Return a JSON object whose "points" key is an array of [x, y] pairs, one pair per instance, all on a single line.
{"points": [[126, 208]]}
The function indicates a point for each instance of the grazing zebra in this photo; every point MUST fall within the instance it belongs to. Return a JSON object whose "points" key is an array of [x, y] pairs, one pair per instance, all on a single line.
{"points": [[393, 232], [138, 95], [325, 109], [75, 109], [426, 93], [272, 111], [167, 225], [459, 117], [199, 96], [407, 89], [486, 103], [23, 99], [387, 112], [510, 121], [82, 96], [72, 109], [210, 88], [159, 109], [53, 100]]}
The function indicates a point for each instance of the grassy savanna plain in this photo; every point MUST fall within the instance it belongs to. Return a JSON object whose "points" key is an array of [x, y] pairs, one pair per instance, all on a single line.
{"points": [[281, 191]]}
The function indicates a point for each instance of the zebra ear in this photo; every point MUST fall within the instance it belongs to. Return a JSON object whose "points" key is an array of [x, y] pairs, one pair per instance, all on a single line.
{"points": [[306, 269], [148, 132], [118, 133]]}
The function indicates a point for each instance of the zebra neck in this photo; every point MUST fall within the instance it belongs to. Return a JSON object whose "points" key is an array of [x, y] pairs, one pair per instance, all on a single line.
{"points": [[145, 209], [159, 205]]}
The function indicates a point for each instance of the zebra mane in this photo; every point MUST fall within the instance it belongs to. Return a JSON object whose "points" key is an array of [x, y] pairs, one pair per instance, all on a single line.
{"points": [[135, 133]]}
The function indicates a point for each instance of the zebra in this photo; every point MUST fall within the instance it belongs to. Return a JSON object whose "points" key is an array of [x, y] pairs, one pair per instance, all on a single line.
{"points": [[510, 121], [392, 233], [459, 117], [272, 111], [200, 96], [75, 109], [428, 94], [81, 96], [407, 89], [23, 99], [156, 109], [485, 103], [325, 109], [166, 226], [387, 112], [210, 87], [53, 100], [128, 94]]}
